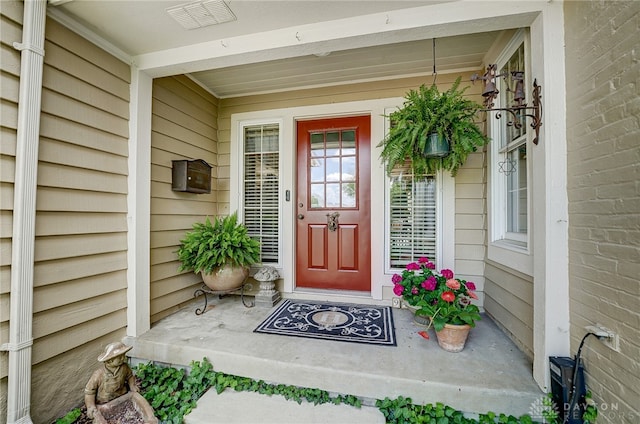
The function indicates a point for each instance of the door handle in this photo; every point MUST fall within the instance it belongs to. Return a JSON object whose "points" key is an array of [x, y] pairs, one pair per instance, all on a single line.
{"points": [[300, 216]]}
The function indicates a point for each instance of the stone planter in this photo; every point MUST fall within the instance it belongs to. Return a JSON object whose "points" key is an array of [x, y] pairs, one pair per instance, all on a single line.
{"points": [[226, 278], [268, 296], [452, 338], [130, 407]]}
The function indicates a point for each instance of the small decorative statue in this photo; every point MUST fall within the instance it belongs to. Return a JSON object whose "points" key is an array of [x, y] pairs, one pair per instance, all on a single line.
{"points": [[113, 384], [268, 296]]}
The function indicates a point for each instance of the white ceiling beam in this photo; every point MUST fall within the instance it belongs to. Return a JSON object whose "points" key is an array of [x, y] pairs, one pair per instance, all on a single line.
{"points": [[440, 20]]}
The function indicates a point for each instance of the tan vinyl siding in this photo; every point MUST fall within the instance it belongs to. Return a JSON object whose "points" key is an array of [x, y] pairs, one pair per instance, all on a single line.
{"points": [[470, 221], [81, 208], [508, 299], [184, 126], [603, 157]]}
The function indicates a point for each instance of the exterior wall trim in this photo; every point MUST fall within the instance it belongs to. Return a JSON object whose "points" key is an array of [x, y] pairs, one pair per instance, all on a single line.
{"points": [[139, 205], [24, 212], [550, 215], [86, 33]]}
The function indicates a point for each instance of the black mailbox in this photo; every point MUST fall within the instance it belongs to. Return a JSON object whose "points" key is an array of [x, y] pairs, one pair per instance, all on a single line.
{"points": [[193, 176]]}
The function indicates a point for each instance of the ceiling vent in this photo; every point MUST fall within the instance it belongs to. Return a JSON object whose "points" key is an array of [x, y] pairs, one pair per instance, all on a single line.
{"points": [[201, 14]]}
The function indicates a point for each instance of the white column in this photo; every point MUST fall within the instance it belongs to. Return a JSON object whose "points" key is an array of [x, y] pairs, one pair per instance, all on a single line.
{"points": [[139, 205], [24, 212], [550, 212]]}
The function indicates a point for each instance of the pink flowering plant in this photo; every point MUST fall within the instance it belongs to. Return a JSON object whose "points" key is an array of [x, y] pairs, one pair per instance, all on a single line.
{"points": [[437, 295]]}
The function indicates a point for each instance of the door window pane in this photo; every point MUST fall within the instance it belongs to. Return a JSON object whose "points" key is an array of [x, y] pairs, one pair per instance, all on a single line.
{"points": [[317, 144], [349, 142], [349, 195], [333, 143], [333, 196], [317, 170], [317, 196], [332, 169], [349, 168]]}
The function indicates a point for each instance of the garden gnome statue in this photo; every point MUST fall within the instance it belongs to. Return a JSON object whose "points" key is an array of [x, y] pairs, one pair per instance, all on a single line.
{"points": [[113, 384], [268, 296]]}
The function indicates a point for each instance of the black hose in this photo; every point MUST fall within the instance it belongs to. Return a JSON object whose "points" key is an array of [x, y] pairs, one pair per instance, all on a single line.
{"points": [[574, 380]]}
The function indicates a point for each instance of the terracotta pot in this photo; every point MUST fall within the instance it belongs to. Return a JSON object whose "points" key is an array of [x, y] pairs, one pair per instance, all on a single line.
{"points": [[453, 337], [226, 278]]}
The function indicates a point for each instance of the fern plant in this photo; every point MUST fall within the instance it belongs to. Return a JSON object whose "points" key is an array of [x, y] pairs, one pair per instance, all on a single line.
{"points": [[212, 245], [426, 111]]}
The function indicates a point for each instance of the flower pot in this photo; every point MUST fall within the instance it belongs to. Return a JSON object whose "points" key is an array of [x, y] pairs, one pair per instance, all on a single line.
{"points": [[226, 278], [453, 337], [436, 146]]}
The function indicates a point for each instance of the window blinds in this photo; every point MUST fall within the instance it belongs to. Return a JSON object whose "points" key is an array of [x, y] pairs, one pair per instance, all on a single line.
{"points": [[261, 188], [412, 207]]}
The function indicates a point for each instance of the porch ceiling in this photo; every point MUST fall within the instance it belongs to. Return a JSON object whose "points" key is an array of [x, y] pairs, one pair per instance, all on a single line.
{"points": [[143, 28]]}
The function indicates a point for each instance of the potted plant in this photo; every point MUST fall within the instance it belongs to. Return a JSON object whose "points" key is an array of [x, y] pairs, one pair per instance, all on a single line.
{"points": [[441, 297], [429, 119], [221, 251]]}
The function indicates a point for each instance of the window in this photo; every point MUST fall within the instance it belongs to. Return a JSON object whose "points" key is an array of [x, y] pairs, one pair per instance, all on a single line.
{"points": [[510, 185], [261, 188], [412, 215]]}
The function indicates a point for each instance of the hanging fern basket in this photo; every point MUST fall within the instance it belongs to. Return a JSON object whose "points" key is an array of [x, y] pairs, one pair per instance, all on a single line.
{"points": [[437, 146], [427, 111]]}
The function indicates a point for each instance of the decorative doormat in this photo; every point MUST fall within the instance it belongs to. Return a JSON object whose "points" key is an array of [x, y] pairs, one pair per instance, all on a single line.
{"points": [[332, 321]]}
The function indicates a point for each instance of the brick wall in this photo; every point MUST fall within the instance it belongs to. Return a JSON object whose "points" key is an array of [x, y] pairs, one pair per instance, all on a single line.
{"points": [[603, 106]]}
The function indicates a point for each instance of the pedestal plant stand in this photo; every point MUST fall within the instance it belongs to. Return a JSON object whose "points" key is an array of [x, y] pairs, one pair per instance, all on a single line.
{"points": [[268, 296], [205, 290]]}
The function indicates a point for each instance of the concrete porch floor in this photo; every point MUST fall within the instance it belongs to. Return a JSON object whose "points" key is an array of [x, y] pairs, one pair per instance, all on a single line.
{"points": [[490, 374]]}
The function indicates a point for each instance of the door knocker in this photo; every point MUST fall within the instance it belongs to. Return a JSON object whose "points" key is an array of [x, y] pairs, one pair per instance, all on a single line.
{"points": [[332, 221]]}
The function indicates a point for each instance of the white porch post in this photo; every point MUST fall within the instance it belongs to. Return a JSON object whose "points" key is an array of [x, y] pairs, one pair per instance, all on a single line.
{"points": [[138, 205], [550, 212], [24, 212]]}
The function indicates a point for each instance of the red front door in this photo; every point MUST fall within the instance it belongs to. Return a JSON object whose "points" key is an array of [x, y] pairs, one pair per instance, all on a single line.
{"points": [[333, 205]]}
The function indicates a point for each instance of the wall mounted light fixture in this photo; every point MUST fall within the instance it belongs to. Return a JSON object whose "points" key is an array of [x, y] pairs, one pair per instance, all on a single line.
{"points": [[519, 108]]}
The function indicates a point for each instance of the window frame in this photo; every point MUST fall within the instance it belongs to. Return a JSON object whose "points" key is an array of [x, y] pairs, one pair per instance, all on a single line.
{"points": [[242, 125], [444, 239], [509, 248], [389, 268]]}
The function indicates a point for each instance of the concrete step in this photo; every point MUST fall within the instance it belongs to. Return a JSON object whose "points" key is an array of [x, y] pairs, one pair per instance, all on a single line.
{"points": [[490, 374], [246, 407]]}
